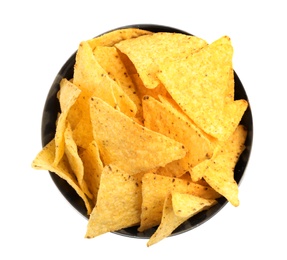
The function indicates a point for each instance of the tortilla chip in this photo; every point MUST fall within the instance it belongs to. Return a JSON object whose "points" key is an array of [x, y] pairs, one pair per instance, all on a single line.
{"points": [[67, 96], [169, 222], [44, 161], [218, 172], [115, 36], [93, 80], [187, 205], [199, 85], [120, 139], [71, 151], [90, 77], [148, 52], [119, 202], [154, 190], [178, 208], [167, 120], [93, 168], [109, 59], [141, 91]]}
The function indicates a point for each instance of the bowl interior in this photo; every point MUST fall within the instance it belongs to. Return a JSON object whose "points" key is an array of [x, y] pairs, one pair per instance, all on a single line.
{"points": [[52, 108]]}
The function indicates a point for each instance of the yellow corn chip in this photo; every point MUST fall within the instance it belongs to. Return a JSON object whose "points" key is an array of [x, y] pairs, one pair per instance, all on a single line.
{"points": [[67, 96], [187, 205], [200, 84], [177, 208], [154, 190], [109, 59], [128, 145], [44, 161], [90, 77], [169, 222], [118, 204], [93, 80], [93, 168], [218, 172], [167, 120], [148, 52], [115, 36], [71, 151]]}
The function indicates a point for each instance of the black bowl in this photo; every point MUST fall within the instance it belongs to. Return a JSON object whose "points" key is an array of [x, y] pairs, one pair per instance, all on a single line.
{"points": [[52, 108]]}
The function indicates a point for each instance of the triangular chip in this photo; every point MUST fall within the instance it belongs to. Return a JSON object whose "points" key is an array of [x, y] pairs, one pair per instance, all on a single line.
{"points": [[115, 36], [230, 119], [177, 208], [169, 222], [148, 52], [167, 120], [218, 172], [109, 39], [187, 205], [109, 59], [93, 168], [44, 161], [93, 80], [200, 84], [67, 96], [118, 204], [71, 151], [90, 77], [120, 139], [156, 187]]}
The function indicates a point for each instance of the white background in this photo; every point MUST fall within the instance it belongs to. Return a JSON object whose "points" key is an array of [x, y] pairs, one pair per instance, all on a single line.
{"points": [[37, 37]]}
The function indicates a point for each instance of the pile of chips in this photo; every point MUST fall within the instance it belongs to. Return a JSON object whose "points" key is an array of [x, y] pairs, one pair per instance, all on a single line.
{"points": [[149, 132]]}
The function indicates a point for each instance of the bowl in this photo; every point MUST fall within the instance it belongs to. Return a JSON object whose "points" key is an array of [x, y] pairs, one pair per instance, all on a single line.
{"points": [[52, 108]]}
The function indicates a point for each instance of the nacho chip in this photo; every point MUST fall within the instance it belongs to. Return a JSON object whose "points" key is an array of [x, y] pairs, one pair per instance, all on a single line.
{"points": [[128, 145], [167, 120], [119, 202], [148, 52], [187, 205], [44, 161], [67, 96], [113, 37], [93, 80], [199, 85], [218, 172], [90, 77], [178, 208], [229, 119], [71, 151], [154, 190], [87, 76], [109, 59], [142, 91], [201, 78], [93, 168], [169, 222]]}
